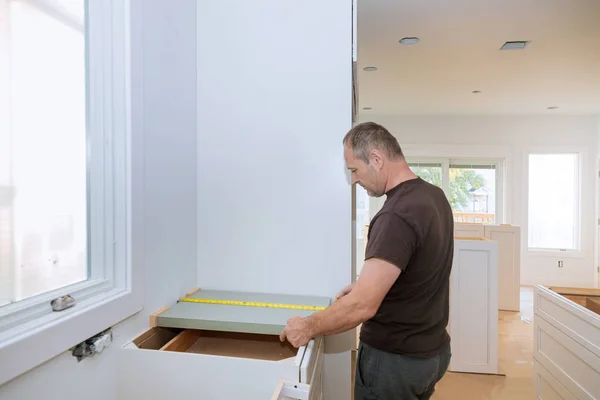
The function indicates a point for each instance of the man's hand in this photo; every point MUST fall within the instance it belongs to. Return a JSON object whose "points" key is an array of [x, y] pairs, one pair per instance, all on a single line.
{"points": [[345, 291], [297, 332]]}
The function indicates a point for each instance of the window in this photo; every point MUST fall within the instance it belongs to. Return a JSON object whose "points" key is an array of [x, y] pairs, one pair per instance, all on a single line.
{"points": [[64, 175], [472, 187], [553, 202], [472, 190], [430, 172], [362, 211], [43, 171]]}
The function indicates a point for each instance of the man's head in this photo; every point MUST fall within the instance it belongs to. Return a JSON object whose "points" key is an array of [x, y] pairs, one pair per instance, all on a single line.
{"points": [[373, 155]]}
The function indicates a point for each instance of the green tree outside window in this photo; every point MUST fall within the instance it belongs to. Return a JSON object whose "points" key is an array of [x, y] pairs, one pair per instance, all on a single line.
{"points": [[462, 182]]}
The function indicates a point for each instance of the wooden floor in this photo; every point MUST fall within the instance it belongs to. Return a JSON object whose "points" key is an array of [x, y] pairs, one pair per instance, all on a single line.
{"points": [[515, 352]]}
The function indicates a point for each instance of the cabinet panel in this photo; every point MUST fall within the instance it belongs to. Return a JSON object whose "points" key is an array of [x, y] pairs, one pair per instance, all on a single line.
{"points": [[468, 230], [509, 264], [474, 307]]}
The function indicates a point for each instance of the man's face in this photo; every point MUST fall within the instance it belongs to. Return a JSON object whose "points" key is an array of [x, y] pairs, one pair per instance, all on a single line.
{"points": [[366, 175]]}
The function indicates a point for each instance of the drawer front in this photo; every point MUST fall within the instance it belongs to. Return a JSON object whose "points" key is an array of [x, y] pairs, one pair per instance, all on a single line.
{"points": [[548, 387], [162, 364], [313, 356]]}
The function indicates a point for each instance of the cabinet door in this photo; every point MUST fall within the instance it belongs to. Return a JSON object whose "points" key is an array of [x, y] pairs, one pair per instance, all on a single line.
{"points": [[474, 307]]}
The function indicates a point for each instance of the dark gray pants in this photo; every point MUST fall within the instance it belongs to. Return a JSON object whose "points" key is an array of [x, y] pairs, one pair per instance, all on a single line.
{"points": [[386, 376]]}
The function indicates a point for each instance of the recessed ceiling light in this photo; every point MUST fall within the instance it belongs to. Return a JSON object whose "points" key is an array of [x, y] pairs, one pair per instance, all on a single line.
{"points": [[409, 40], [516, 45], [367, 108], [476, 91], [552, 107], [370, 69]]}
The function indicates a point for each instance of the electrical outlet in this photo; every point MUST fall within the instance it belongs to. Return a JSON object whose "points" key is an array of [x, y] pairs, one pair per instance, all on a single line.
{"points": [[93, 345], [560, 264]]}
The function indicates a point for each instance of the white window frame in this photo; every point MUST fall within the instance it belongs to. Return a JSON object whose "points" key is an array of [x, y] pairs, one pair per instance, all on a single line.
{"points": [[579, 251], [447, 161], [30, 333]]}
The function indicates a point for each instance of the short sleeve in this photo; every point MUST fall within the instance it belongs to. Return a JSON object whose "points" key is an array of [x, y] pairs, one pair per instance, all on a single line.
{"points": [[392, 239]]}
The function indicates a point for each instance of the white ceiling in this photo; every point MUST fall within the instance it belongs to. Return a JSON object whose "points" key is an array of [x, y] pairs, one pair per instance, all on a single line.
{"points": [[458, 53]]}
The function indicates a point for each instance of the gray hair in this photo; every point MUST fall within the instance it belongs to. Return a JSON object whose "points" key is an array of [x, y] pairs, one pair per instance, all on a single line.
{"points": [[367, 136]]}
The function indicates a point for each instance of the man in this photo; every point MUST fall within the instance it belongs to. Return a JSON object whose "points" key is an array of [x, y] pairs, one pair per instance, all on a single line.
{"points": [[402, 294]]}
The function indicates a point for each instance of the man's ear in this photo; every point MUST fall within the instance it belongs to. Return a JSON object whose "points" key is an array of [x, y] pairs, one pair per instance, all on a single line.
{"points": [[376, 159]]}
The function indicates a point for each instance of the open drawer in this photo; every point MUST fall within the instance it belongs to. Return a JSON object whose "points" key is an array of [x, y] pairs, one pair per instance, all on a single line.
{"points": [[172, 363], [220, 345]]}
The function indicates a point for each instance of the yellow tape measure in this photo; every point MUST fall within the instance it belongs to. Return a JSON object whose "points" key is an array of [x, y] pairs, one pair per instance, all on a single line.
{"points": [[251, 304]]}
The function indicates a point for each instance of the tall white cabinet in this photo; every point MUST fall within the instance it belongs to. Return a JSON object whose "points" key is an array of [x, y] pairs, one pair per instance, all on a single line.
{"points": [[509, 259]]}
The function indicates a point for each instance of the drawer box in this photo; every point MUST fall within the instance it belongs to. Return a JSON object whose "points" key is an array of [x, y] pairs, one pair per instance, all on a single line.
{"points": [[167, 363]]}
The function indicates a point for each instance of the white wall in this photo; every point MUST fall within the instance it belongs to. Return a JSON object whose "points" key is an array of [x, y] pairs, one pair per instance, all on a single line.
{"points": [[165, 108], [274, 200], [511, 137]]}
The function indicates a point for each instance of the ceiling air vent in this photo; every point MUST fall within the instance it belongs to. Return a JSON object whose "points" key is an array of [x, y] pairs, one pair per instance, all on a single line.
{"points": [[518, 45]]}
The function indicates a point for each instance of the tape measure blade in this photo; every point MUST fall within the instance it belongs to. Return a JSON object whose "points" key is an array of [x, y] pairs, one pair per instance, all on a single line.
{"points": [[251, 304]]}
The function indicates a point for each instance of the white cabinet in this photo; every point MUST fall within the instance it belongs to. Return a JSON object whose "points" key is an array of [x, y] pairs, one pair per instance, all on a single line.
{"points": [[238, 356], [473, 322], [509, 264], [566, 354], [509, 259]]}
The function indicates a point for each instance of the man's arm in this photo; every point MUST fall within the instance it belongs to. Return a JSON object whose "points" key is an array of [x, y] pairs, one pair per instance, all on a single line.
{"points": [[392, 242], [376, 278]]}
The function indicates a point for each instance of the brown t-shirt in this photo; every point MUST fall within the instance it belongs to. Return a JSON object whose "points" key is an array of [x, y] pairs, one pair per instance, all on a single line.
{"points": [[414, 231]]}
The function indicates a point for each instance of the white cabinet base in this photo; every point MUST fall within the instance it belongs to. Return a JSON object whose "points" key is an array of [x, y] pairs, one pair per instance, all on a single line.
{"points": [[509, 259], [566, 347], [170, 363], [473, 323]]}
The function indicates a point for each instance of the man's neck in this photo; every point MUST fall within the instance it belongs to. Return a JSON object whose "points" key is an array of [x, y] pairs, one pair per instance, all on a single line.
{"points": [[399, 172]]}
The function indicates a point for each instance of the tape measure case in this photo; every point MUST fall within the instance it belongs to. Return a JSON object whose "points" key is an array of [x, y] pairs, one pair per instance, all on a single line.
{"points": [[222, 345]]}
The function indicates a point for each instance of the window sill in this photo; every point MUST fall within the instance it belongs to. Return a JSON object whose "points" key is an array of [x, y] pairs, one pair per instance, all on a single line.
{"points": [[37, 307], [555, 253], [31, 344]]}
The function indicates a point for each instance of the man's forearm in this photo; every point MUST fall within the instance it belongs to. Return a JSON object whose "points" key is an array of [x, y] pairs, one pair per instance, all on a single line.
{"points": [[344, 314]]}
